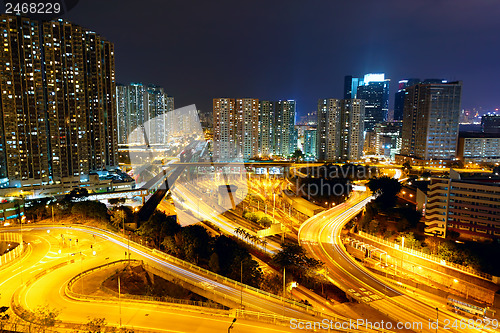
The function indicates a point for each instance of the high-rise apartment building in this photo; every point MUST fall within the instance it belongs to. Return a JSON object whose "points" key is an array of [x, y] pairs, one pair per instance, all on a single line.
{"points": [[25, 153], [131, 112], [430, 122], [490, 123], [328, 141], [247, 113], [374, 90], [251, 128], [266, 128], [351, 136], [285, 136], [143, 114], [58, 102], [225, 136], [340, 129]]}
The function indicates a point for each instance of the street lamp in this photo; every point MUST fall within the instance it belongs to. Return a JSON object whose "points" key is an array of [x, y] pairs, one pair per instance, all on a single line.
{"points": [[232, 323], [437, 318]]}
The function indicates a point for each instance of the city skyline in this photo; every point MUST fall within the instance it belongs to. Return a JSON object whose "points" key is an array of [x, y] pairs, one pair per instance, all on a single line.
{"points": [[403, 40]]}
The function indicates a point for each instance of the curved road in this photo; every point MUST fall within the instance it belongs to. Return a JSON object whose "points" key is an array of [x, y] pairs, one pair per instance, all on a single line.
{"points": [[320, 235]]}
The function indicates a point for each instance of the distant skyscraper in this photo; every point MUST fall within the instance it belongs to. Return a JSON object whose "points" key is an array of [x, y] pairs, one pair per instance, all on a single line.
{"points": [[58, 101], [285, 138], [430, 122], [490, 123], [399, 98], [266, 128], [340, 129], [310, 145], [374, 89]]}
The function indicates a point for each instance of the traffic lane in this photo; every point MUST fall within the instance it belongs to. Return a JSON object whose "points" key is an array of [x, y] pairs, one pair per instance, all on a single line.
{"points": [[346, 266], [49, 289], [131, 314], [271, 305]]}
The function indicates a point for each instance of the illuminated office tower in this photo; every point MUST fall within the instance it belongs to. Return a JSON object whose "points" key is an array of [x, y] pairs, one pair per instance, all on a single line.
{"points": [[24, 158], [328, 130], [266, 128], [225, 137], [247, 123], [284, 125], [374, 90], [58, 101], [430, 121]]}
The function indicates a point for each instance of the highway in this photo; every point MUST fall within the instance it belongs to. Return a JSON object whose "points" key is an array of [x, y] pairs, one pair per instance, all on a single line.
{"points": [[49, 289], [320, 235]]}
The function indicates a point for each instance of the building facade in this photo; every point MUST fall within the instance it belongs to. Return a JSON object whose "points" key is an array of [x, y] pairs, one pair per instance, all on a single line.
{"points": [[143, 114], [430, 122], [310, 144], [490, 123], [399, 97], [384, 140], [225, 138], [58, 108], [374, 90], [472, 209], [340, 129], [478, 147], [247, 113], [285, 136], [266, 128]]}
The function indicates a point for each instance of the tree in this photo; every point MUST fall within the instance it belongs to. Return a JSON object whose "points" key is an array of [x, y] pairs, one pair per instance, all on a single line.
{"points": [[77, 194], [118, 218], [97, 325], [407, 167], [373, 226], [213, 263], [387, 188], [297, 155], [90, 210], [294, 259], [265, 222], [233, 257], [195, 242], [44, 317], [158, 227], [113, 201]]}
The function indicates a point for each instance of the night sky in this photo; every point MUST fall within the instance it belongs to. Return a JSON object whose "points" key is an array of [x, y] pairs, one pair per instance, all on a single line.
{"points": [[277, 49]]}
